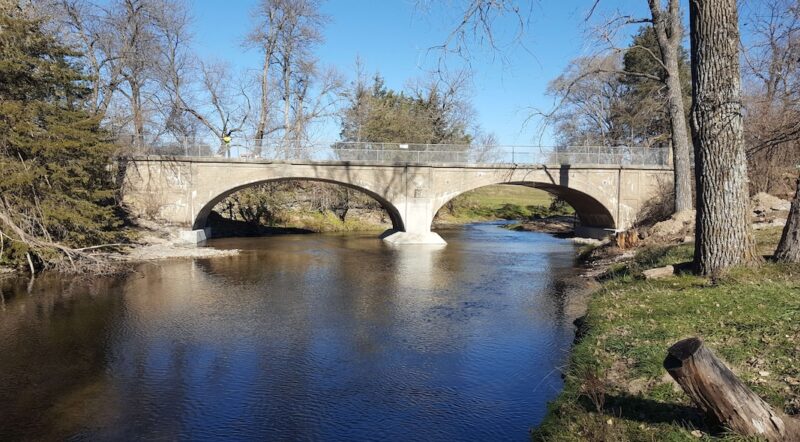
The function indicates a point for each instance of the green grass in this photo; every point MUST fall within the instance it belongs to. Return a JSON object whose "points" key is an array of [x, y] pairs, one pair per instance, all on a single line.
{"points": [[496, 196], [500, 201], [329, 222], [750, 318]]}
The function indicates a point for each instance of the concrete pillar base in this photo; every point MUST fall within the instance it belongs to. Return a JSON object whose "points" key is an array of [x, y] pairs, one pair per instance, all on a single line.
{"points": [[408, 238], [194, 236]]}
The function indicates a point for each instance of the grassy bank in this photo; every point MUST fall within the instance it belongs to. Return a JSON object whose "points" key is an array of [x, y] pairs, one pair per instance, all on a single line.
{"points": [[328, 222], [498, 195], [616, 388], [496, 202], [302, 221]]}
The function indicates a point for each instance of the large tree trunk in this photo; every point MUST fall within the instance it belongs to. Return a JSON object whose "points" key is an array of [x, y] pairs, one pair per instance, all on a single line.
{"points": [[287, 100], [724, 399], [680, 141], [789, 247], [668, 32], [263, 116], [724, 237], [138, 116]]}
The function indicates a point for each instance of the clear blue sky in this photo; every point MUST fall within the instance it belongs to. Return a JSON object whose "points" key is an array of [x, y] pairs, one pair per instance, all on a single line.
{"points": [[392, 37]]}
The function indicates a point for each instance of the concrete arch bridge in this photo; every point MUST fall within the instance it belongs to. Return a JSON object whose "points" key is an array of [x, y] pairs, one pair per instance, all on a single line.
{"points": [[184, 190]]}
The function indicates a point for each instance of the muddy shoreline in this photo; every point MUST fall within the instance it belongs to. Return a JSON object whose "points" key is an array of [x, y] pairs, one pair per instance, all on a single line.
{"points": [[558, 224], [154, 245]]}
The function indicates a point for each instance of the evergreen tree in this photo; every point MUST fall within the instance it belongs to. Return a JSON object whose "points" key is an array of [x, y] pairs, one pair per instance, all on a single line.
{"points": [[643, 98], [613, 101], [56, 186], [379, 114]]}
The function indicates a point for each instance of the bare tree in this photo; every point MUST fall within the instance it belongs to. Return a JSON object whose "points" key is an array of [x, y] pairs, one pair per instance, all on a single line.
{"points": [[724, 237], [300, 33], [789, 246], [667, 25], [316, 95], [271, 20], [286, 32], [83, 25], [478, 18], [137, 53], [772, 99], [175, 69], [772, 117], [588, 96], [132, 42], [477, 24], [226, 105]]}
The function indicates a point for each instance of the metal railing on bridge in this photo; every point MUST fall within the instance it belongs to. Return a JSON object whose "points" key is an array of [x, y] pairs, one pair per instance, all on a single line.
{"points": [[244, 149]]}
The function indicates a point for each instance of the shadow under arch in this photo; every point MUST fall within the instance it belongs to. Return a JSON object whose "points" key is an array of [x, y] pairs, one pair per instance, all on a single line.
{"points": [[201, 219], [590, 211]]}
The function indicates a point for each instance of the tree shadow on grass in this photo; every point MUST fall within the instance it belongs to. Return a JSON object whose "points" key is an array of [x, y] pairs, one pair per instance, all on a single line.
{"points": [[684, 268], [649, 411]]}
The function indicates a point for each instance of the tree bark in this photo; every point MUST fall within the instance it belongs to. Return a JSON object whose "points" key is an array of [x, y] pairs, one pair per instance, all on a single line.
{"points": [[263, 116], [138, 114], [668, 32], [724, 399], [287, 97], [724, 237], [789, 248]]}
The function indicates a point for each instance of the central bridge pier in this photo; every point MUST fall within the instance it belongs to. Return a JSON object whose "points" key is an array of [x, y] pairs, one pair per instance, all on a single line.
{"points": [[184, 190]]}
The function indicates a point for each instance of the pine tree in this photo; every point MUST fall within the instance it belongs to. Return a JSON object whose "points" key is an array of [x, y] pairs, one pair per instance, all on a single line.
{"points": [[648, 93], [379, 114], [56, 186]]}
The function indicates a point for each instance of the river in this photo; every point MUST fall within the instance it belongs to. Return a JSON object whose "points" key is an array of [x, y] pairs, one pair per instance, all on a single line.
{"points": [[299, 337]]}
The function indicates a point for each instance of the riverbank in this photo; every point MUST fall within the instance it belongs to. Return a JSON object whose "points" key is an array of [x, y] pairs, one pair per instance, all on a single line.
{"points": [[529, 208], [615, 386], [556, 224], [153, 247]]}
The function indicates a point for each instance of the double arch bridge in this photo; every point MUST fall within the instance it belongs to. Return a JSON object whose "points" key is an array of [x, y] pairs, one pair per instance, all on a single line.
{"points": [[606, 190]]}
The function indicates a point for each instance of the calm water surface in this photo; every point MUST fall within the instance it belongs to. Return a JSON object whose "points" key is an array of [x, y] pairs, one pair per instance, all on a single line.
{"points": [[301, 337]]}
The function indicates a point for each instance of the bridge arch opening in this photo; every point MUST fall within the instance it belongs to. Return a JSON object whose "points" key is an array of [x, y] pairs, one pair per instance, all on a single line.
{"points": [[204, 215], [592, 214]]}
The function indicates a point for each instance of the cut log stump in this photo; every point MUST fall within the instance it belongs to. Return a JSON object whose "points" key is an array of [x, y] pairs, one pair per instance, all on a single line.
{"points": [[659, 273], [627, 239], [724, 399]]}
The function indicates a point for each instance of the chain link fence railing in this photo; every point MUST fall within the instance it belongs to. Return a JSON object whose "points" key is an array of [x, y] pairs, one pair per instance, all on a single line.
{"points": [[410, 153]]}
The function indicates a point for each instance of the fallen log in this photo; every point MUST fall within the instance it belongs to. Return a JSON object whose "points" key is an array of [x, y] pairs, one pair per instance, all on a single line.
{"points": [[724, 399]]}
